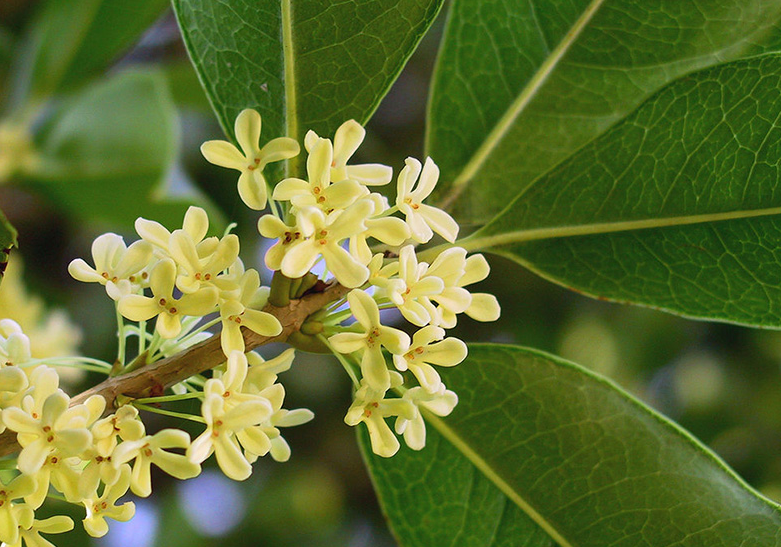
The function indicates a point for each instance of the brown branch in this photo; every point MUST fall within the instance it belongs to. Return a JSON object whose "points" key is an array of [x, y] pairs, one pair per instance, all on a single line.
{"points": [[152, 379]]}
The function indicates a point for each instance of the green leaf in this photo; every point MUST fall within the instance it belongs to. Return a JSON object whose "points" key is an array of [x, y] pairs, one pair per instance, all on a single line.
{"points": [[186, 90], [69, 42], [7, 241], [588, 463], [303, 65], [520, 86], [107, 151], [676, 207]]}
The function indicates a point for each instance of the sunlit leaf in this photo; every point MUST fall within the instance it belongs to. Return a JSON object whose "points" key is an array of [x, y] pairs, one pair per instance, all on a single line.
{"points": [[304, 64], [676, 207], [520, 86], [539, 449]]}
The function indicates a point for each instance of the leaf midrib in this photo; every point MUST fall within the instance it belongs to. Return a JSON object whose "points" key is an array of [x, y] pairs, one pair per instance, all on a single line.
{"points": [[288, 57], [520, 103], [485, 468], [477, 241]]}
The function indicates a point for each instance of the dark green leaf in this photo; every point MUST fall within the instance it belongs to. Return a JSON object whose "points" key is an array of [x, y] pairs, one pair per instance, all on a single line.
{"points": [[303, 65], [520, 86], [108, 150], [591, 465], [675, 208], [69, 42]]}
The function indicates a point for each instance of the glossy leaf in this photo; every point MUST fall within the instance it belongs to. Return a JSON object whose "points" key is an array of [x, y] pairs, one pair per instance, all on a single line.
{"points": [[108, 151], [520, 86], [585, 461], [305, 64], [69, 42], [7, 241], [676, 207]]}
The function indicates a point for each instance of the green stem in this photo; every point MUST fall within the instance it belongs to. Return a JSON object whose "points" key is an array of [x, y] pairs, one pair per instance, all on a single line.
{"points": [[168, 398], [63, 360], [141, 337], [200, 329], [122, 338], [141, 406]]}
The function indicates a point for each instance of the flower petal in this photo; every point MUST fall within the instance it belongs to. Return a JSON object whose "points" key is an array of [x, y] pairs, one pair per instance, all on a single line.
{"points": [[252, 189], [364, 308], [247, 129], [224, 154], [347, 139], [281, 148], [370, 174]]}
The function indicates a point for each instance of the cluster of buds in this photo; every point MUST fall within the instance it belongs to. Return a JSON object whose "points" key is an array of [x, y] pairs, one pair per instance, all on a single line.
{"points": [[190, 283]]}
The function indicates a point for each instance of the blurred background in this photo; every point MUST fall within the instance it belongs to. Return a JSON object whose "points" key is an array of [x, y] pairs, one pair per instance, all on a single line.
{"points": [[108, 130]]}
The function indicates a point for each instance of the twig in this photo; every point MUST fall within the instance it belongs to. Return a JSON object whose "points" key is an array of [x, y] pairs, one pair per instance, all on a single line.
{"points": [[153, 379]]}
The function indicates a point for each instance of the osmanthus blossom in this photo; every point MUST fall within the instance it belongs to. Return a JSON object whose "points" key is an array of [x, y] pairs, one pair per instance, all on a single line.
{"points": [[58, 429], [180, 276], [370, 341], [287, 236], [105, 506], [64, 474], [430, 347], [227, 411], [423, 219], [152, 449], [252, 159], [371, 408], [324, 235], [14, 344], [440, 403], [239, 311], [30, 528], [319, 191], [266, 438], [347, 139], [195, 224], [457, 270], [168, 310], [117, 266], [124, 424], [386, 229], [18, 488], [196, 271], [410, 292]]}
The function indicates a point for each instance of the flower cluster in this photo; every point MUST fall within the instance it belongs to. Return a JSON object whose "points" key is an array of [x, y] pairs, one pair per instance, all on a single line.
{"points": [[172, 289], [331, 217]]}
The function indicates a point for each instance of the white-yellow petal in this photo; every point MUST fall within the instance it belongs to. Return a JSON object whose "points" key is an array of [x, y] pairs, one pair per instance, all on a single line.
{"points": [[247, 129], [252, 189], [224, 154], [485, 307]]}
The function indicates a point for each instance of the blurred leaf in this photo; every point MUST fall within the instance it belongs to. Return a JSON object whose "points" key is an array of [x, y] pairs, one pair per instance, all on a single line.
{"points": [[591, 465], [303, 65], [520, 86], [107, 151], [69, 42], [675, 208], [185, 87], [7, 241]]}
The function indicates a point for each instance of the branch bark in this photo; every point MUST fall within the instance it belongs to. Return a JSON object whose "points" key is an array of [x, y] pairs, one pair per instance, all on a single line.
{"points": [[153, 379]]}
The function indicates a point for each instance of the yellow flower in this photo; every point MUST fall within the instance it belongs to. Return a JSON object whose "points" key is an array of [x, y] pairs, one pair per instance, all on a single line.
{"points": [[251, 160]]}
